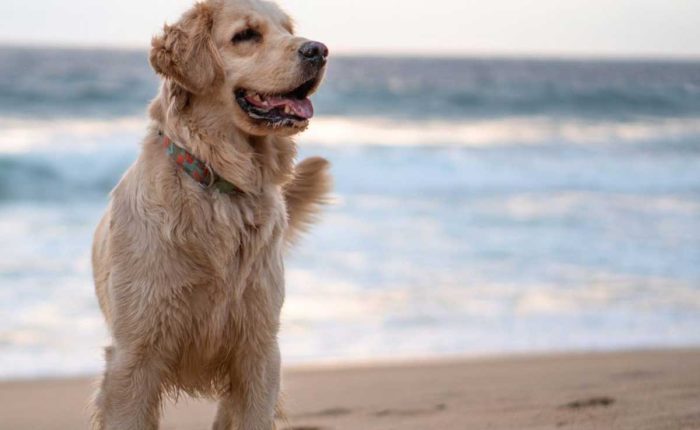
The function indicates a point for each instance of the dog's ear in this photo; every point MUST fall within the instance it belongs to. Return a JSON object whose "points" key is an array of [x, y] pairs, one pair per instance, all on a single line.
{"points": [[186, 53]]}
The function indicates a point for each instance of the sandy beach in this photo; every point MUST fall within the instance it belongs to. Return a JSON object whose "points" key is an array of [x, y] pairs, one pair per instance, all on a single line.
{"points": [[621, 390]]}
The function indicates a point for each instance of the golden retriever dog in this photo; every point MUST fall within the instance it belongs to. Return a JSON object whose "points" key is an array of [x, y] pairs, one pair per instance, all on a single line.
{"points": [[188, 259]]}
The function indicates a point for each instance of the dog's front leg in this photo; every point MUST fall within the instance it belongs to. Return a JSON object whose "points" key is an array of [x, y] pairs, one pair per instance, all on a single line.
{"points": [[252, 401], [130, 394]]}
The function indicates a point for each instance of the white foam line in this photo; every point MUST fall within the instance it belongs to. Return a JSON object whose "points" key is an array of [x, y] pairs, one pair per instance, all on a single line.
{"points": [[20, 135], [513, 130]]}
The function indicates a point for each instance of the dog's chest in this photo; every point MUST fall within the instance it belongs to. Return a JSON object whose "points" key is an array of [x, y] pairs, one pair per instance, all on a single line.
{"points": [[241, 285], [247, 234]]}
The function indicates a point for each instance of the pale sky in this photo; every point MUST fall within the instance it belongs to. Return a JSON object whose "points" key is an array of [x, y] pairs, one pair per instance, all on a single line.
{"points": [[501, 27]]}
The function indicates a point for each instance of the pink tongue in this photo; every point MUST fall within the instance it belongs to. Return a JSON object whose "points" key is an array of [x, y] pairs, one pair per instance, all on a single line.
{"points": [[300, 107]]}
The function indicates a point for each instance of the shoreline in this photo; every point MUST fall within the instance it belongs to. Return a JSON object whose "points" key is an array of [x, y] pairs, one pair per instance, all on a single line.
{"points": [[328, 364], [644, 389]]}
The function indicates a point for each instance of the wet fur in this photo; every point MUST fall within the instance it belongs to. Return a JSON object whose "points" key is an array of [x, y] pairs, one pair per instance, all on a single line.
{"points": [[191, 281]]}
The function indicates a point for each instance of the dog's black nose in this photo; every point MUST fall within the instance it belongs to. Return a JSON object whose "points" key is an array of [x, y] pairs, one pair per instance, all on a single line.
{"points": [[314, 52]]}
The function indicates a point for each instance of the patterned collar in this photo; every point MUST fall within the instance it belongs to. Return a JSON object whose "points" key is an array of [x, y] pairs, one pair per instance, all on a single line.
{"points": [[197, 169]]}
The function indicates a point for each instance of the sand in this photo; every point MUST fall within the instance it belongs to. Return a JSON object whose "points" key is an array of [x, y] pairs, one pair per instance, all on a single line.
{"points": [[623, 390]]}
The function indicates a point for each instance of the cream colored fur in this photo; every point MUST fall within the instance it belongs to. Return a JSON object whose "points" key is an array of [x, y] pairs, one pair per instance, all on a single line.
{"points": [[191, 281]]}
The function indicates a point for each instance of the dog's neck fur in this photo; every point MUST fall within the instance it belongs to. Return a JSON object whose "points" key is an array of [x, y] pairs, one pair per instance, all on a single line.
{"points": [[248, 162]]}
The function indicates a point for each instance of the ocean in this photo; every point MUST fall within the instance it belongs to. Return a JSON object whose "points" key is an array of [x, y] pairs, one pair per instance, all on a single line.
{"points": [[482, 206]]}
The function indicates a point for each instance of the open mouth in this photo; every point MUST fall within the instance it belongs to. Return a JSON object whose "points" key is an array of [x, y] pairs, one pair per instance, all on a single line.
{"points": [[287, 110]]}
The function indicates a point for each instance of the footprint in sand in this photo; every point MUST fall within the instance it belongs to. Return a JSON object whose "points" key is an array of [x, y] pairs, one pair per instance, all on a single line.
{"points": [[410, 412], [305, 428], [590, 402], [330, 412]]}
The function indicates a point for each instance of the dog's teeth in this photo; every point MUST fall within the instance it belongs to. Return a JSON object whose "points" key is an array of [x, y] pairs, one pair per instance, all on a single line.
{"points": [[287, 109]]}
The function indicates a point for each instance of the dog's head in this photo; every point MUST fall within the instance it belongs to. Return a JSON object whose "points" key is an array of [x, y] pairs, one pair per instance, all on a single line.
{"points": [[241, 60]]}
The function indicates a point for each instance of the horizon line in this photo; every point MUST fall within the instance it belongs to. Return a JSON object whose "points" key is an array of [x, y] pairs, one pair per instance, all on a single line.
{"points": [[448, 54]]}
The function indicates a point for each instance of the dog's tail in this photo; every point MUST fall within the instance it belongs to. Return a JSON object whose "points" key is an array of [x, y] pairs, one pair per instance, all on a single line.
{"points": [[305, 194]]}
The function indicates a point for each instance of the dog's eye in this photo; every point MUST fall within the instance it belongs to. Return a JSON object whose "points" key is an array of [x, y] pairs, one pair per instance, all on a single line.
{"points": [[247, 35]]}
